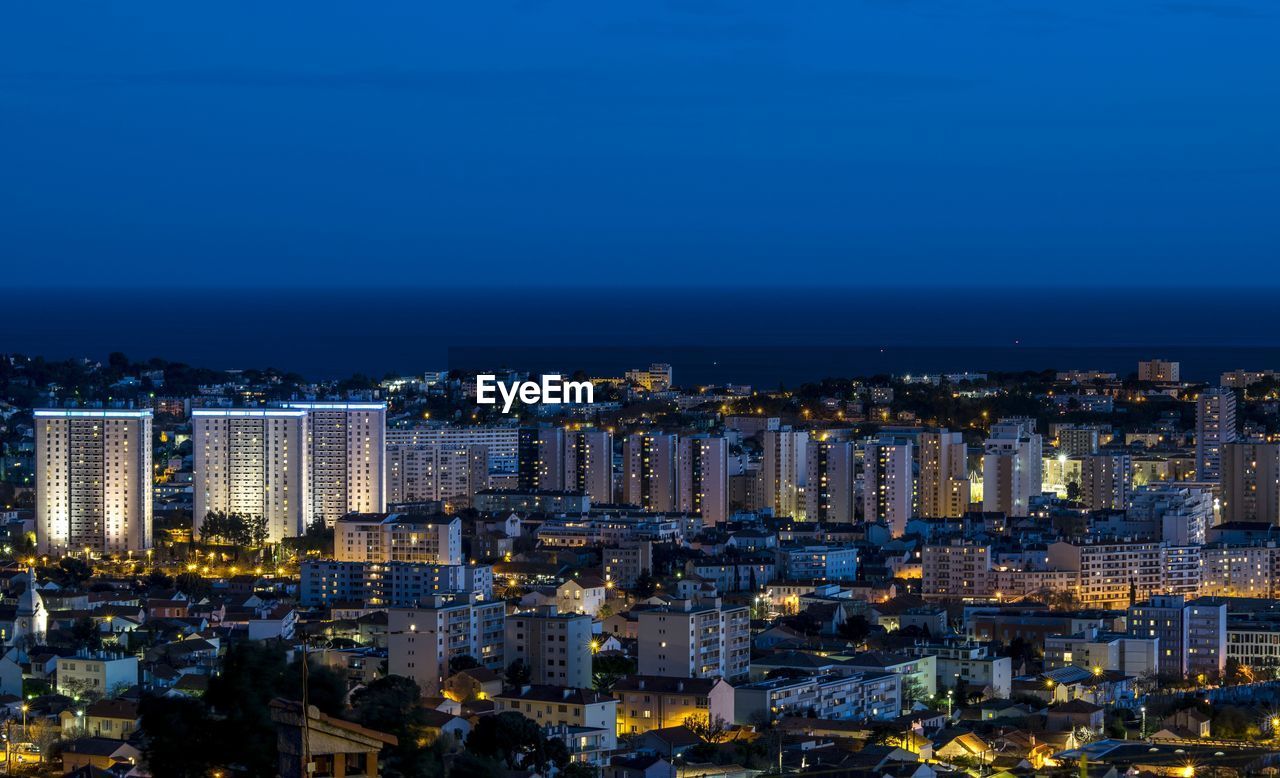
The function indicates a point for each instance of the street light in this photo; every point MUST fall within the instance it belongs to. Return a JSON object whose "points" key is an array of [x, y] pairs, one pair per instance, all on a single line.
{"points": [[25, 708], [1143, 732]]}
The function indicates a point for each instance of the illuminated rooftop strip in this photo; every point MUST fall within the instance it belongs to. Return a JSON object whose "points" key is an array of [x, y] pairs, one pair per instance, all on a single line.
{"points": [[90, 413], [335, 406], [240, 413]]}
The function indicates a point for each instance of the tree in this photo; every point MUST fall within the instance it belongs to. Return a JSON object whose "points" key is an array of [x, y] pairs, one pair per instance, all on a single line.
{"points": [[510, 736], [518, 673], [608, 670], [855, 629], [645, 585], [579, 770], [462, 662], [85, 634], [913, 691], [708, 729], [176, 737], [391, 704]]}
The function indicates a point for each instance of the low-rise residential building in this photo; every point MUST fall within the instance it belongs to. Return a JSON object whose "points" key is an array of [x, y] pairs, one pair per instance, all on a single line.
{"points": [[688, 639], [398, 537], [587, 718], [971, 663], [104, 676], [868, 695], [648, 702]]}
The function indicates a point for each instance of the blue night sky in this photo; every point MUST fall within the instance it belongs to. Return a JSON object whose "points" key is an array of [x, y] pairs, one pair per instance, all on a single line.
{"points": [[687, 142]]}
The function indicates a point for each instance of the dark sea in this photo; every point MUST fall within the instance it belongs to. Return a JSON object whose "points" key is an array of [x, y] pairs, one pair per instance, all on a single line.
{"points": [[762, 337]]}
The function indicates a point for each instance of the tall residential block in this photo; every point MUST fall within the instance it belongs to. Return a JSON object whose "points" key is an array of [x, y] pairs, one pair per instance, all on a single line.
{"points": [[783, 471], [831, 492], [93, 480], [1011, 467], [346, 446], [1215, 427], [252, 462], [436, 472], [588, 464], [1077, 440], [888, 483], [943, 489], [703, 478], [541, 459], [649, 471], [1105, 480], [1251, 482], [556, 647]]}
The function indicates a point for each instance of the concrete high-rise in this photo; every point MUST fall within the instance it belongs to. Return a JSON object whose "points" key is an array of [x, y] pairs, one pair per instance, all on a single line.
{"points": [[588, 464], [783, 471], [1215, 427], [1011, 467], [830, 493], [252, 462], [93, 481], [346, 449], [436, 472], [1105, 480], [943, 490], [1251, 482], [888, 484], [541, 459], [649, 471], [703, 478]]}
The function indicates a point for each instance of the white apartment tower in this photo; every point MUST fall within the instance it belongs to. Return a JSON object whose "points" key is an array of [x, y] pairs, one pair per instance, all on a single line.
{"points": [[93, 480], [1215, 427], [346, 447], [944, 475], [588, 464], [1011, 467], [703, 480], [435, 472], [783, 471], [888, 485], [649, 471], [252, 462]]}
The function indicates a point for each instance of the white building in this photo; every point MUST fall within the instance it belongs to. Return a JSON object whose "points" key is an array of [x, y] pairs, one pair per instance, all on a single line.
{"points": [[688, 639], [398, 537], [1011, 467], [346, 446], [93, 480], [783, 471], [436, 472], [1215, 427], [252, 462], [944, 475], [859, 696], [703, 478], [102, 676], [888, 486], [502, 443]]}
